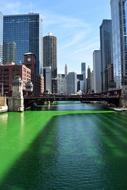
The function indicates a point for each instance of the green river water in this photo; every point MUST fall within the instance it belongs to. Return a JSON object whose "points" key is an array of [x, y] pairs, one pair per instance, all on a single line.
{"points": [[71, 146]]}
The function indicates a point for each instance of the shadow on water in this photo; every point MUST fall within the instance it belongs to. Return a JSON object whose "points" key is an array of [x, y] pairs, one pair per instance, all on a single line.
{"points": [[78, 155], [25, 173]]}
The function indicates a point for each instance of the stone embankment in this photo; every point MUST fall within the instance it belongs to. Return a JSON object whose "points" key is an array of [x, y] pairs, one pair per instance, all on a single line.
{"points": [[3, 104]]}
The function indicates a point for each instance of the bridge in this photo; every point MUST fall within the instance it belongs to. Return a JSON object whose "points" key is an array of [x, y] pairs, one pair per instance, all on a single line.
{"points": [[111, 98]]}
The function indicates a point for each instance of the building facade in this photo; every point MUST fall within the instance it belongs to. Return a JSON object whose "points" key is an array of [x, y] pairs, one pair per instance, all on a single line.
{"points": [[71, 81], [106, 51], [97, 70], [92, 82], [50, 57], [116, 41], [9, 52], [8, 73], [61, 84], [119, 36], [25, 31], [123, 39], [39, 85], [1, 38], [30, 62], [47, 79]]}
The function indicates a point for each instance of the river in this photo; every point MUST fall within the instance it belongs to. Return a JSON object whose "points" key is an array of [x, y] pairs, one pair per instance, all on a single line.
{"points": [[71, 146]]}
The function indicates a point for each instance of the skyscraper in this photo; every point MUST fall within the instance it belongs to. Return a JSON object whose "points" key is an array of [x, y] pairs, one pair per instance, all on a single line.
{"points": [[97, 70], [50, 57], [83, 72], [1, 38], [88, 80], [9, 52], [25, 31], [106, 51], [61, 84], [71, 83], [66, 70], [119, 33], [83, 68]]}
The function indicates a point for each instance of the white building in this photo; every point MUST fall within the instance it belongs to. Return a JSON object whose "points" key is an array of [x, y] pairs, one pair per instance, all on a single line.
{"points": [[61, 84], [47, 79], [71, 83], [1, 38], [97, 71], [92, 82]]}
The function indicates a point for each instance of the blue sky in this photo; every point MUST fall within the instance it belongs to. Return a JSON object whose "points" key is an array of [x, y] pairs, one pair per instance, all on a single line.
{"points": [[74, 23]]}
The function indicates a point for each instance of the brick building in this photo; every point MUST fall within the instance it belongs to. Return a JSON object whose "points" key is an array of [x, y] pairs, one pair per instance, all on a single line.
{"points": [[7, 74]]}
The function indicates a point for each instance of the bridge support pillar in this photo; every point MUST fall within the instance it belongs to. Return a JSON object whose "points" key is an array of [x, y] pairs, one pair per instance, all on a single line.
{"points": [[16, 102]]}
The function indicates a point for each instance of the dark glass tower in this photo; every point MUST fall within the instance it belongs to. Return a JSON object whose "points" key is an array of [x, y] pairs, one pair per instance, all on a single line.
{"points": [[106, 51], [24, 30], [50, 58]]}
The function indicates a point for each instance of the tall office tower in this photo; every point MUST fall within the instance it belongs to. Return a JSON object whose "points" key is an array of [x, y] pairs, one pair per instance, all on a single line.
{"points": [[66, 70], [97, 70], [83, 72], [1, 38], [65, 83], [50, 57], [119, 35], [88, 80], [106, 51], [25, 31], [71, 81], [9, 53]]}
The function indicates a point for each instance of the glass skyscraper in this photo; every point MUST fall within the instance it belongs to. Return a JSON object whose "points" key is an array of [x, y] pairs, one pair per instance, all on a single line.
{"points": [[106, 51], [1, 38], [25, 31], [116, 42], [119, 35], [123, 38]]}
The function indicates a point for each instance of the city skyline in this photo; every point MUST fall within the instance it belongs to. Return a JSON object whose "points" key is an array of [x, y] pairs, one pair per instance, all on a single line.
{"points": [[77, 31]]}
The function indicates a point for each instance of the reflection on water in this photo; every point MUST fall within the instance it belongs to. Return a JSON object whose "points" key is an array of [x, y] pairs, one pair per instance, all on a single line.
{"points": [[3, 118], [74, 152]]}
